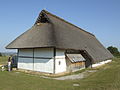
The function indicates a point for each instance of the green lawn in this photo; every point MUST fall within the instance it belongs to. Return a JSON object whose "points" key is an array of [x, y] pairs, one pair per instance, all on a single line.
{"points": [[106, 78]]}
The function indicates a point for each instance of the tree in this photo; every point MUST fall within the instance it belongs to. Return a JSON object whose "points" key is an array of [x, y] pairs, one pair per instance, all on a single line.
{"points": [[0, 54], [114, 50]]}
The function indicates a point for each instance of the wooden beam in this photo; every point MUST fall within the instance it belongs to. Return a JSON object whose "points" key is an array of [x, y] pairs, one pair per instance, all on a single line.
{"points": [[17, 57], [33, 59], [54, 54]]}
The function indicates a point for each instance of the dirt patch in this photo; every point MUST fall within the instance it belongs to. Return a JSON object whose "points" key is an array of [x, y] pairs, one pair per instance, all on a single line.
{"points": [[76, 76]]}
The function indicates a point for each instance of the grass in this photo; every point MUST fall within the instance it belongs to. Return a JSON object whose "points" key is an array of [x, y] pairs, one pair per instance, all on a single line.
{"points": [[106, 78], [3, 60]]}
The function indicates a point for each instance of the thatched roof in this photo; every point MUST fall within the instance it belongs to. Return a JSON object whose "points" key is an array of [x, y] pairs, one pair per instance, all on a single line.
{"points": [[52, 31]]}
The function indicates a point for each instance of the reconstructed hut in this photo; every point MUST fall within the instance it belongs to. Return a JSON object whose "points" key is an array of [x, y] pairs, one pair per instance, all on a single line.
{"points": [[53, 45]]}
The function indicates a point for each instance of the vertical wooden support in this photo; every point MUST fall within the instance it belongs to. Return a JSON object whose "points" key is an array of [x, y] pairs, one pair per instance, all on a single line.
{"points": [[91, 64], [17, 57], [54, 54], [33, 59]]}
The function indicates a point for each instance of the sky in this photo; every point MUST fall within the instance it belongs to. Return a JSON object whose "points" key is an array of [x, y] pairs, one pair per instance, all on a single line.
{"points": [[100, 17]]}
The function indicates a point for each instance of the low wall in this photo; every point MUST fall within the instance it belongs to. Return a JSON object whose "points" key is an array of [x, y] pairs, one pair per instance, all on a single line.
{"points": [[101, 63]]}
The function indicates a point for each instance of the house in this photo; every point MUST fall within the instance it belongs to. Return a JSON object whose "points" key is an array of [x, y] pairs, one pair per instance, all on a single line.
{"points": [[53, 45]]}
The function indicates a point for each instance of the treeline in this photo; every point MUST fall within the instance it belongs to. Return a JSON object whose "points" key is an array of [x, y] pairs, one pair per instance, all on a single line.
{"points": [[0, 54], [114, 50], [7, 53]]}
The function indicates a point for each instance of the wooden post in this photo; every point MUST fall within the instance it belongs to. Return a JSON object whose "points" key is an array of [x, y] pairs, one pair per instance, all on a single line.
{"points": [[17, 57], [33, 59], [54, 54]]}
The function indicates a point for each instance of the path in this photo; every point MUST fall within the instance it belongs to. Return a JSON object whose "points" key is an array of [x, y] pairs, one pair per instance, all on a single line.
{"points": [[76, 76]]}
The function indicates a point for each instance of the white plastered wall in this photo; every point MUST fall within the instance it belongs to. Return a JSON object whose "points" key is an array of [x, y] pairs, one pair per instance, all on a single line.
{"points": [[25, 63], [46, 64], [60, 62], [43, 59]]}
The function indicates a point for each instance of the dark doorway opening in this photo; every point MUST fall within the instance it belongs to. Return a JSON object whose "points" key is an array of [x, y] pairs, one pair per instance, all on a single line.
{"points": [[88, 62]]}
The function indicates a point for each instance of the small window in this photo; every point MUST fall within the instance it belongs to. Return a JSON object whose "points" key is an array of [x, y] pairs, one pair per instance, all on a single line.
{"points": [[59, 63], [42, 19]]}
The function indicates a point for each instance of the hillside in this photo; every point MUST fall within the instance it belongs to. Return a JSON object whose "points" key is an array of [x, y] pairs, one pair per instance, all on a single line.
{"points": [[106, 78]]}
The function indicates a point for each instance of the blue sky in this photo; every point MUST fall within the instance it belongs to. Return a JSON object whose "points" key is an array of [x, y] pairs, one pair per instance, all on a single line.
{"points": [[100, 17]]}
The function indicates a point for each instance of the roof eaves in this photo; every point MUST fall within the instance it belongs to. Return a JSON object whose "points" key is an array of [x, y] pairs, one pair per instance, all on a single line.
{"points": [[7, 47]]}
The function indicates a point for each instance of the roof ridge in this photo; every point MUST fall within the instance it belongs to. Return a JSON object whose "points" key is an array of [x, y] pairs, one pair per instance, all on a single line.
{"points": [[66, 21]]}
